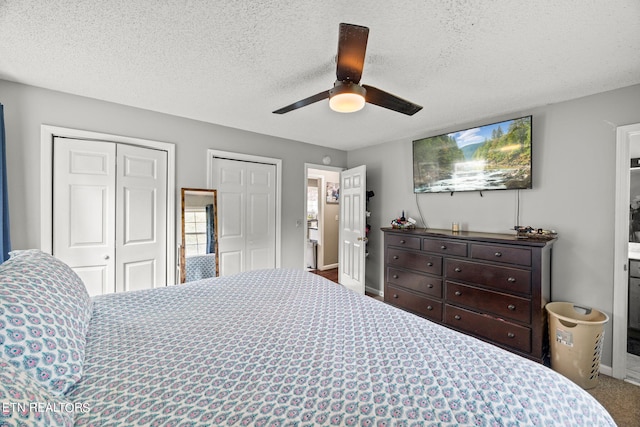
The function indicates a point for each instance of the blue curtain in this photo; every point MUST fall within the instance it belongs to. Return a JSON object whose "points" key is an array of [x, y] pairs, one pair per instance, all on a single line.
{"points": [[5, 241], [211, 240]]}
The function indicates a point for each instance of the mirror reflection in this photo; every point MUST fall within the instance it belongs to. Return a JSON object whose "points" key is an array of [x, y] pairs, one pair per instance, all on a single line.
{"points": [[199, 235], [634, 205]]}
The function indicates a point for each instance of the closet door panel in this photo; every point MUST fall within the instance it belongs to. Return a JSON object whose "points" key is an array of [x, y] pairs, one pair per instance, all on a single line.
{"points": [[141, 218], [84, 218]]}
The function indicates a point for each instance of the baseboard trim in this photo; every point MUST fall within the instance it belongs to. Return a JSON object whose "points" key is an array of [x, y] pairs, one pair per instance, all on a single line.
{"points": [[606, 370], [328, 267], [373, 291]]}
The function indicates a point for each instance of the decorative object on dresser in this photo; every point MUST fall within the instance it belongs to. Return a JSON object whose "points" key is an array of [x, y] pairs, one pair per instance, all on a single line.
{"points": [[491, 286]]}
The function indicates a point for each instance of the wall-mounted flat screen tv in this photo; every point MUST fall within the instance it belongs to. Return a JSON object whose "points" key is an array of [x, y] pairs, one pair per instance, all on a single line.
{"points": [[490, 157]]}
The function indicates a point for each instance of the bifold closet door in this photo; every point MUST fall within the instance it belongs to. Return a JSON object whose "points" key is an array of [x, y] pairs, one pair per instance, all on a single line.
{"points": [[246, 215], [109, 213]]}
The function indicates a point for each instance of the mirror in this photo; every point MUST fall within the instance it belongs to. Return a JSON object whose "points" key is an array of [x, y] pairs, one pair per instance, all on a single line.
{"points": [[198, 258]]}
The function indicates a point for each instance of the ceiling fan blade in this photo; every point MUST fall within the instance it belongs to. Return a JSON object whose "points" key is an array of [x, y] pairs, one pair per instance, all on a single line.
{"points": [[386, 100], [352, 45], [303, 102]]}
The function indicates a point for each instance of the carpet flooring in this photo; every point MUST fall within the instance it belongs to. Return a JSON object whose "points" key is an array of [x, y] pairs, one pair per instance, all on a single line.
{"points": [[620, 398]]}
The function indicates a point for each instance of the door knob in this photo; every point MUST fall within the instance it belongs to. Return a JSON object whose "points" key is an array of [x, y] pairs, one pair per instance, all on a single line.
{"points": [[363, 239], [106, 257]]}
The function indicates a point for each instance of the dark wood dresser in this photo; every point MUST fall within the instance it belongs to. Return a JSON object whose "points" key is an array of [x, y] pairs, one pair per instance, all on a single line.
{"points": [[491, 286]]}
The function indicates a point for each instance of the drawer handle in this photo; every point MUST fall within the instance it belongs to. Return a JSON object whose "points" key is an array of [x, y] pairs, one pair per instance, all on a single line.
{"points": [[498, 254], [511, 335], [443, 247], [457, 293], [430, 285], [457, 269], [402, 242], [429, 264], [511, 307], [395, 276], [511, 279], [396, 257], [457, 317], [395, 295], [429, 307]]}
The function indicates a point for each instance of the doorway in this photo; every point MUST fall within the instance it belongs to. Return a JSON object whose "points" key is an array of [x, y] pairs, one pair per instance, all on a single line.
{"points": [[626, 365], [347, 197], [322, 217]]}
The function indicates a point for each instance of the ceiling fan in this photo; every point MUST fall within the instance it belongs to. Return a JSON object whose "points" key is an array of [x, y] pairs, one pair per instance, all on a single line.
{"points": [[348, 95]]}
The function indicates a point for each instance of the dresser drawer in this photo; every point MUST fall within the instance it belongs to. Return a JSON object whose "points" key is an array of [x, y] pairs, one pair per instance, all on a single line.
{"points": [[411, 242], [414, 281], [497, 277], [418, 304], [449, 247], [428, 263], [502, 305], [520, 256], [498, 331]]}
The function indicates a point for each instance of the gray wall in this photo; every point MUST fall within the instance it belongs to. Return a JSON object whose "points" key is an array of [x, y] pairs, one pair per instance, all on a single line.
{"points": [[573, 191], [574, 178], [27, 107]]}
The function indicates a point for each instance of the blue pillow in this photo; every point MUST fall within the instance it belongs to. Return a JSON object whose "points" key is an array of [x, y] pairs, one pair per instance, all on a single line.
{"points": [[44, 315], [26, 403]]}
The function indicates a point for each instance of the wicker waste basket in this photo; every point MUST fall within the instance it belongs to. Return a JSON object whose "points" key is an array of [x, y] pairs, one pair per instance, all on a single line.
{"points": [[576, 334]]}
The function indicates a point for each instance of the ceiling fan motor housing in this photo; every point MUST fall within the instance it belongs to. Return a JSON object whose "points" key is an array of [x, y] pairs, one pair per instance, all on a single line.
{"points": [[347, 86]]}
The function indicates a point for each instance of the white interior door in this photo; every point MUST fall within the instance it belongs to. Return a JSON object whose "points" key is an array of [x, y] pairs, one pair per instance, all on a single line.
{"points": [[246, 215], [352, 253], [141, 188], [109, 213], [84, 214]]}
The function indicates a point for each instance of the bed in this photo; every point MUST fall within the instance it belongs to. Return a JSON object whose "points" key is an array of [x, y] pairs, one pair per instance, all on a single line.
{"points": [[199, 267], [266, 348]]}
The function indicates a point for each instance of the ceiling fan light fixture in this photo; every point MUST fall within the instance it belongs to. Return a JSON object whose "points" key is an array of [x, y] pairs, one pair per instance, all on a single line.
{"points": [[347, 97]]}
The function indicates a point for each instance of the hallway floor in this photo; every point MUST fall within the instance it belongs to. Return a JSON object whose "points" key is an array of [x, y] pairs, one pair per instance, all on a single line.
{"points": [[332, 275]]}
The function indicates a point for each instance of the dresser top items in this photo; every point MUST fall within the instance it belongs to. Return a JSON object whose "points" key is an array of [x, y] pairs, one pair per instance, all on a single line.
{"points": [[469, 235]]}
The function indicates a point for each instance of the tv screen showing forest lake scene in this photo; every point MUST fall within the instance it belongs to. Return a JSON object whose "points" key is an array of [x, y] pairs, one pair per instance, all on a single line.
{"points": [[490, 157]]}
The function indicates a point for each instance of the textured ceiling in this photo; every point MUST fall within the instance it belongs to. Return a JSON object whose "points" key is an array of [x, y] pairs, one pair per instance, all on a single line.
{"points": [[233, 62]]}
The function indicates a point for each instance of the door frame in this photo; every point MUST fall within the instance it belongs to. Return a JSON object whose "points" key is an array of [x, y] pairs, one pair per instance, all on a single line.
{"points": [[211, 153], [308, 166], [48, 132], [624, 135]]}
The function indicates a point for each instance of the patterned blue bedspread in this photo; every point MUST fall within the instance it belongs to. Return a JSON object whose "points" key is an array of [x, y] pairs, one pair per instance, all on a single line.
{"points": [[200, 267], [288, 348]]}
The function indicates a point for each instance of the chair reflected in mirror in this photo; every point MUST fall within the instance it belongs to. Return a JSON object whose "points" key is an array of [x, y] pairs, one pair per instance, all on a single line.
{"points": [[199, 247]]}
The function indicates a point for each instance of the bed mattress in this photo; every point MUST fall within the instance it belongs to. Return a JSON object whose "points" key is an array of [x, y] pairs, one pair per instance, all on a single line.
{"points": [[285, 347]]}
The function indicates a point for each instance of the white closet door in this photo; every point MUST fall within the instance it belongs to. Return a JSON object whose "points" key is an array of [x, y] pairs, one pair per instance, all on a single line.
{"points": [[84, 214], [246, 215], [261, 219], [141, 188], [110, 214]]}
